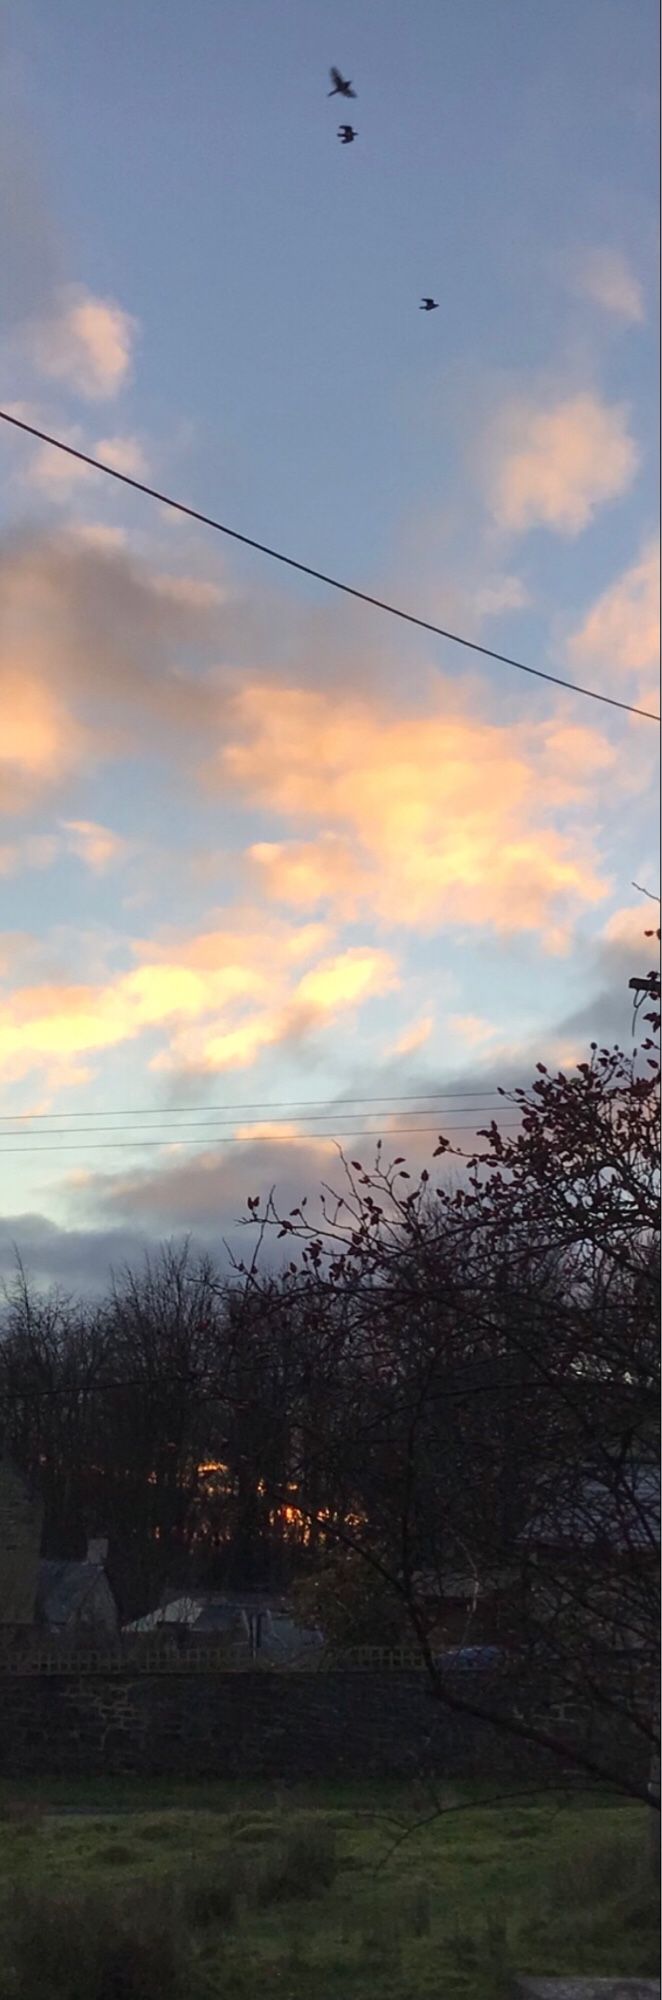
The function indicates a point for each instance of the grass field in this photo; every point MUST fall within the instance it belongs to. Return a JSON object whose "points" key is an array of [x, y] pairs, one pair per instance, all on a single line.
{"points": [[338, 1892]]}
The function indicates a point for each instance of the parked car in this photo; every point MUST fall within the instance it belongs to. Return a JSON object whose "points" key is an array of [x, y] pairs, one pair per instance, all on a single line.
{"points": [[472, 1659]]}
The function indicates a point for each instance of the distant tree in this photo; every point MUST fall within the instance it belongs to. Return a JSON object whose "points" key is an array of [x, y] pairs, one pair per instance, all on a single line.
{"points": [[500, 1365], [351, 1605]]}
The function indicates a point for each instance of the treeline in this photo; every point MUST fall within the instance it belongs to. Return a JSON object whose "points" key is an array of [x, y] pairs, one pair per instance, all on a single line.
{"points": [[428, 1369], [439, 1377]]}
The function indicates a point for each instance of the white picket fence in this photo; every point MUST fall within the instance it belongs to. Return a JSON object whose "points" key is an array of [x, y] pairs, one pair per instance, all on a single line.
{"points": [[200, 1659]]}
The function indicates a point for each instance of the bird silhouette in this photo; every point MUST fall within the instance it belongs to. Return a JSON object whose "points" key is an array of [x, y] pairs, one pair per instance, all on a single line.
{"points": [[347, 135], [428, 305], [341, 88]]}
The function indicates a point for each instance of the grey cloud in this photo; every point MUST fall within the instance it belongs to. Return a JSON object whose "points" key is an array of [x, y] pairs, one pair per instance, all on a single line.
{"points": [[74, 1258], [102, 625], [607, 1016], [129, 1212], [209, 1193]]}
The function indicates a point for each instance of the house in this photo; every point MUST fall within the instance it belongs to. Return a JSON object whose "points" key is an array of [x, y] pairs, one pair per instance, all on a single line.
{"points": [[38, 1594], [617, 1518], [592, 1559], [257, 1624], [75, 1597], [466, 1609]]}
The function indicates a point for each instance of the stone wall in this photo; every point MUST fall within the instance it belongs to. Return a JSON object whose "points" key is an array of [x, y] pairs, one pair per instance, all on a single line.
{"points": [[338, 1723]]}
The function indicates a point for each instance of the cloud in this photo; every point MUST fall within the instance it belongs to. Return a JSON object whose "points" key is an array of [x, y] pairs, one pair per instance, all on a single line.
{"points": [[210, 1002], [620, 951], [501, 593], [210, 1190], [554, 467], [605, 277], [35, 851], [206, 1191], [56, 1255], [92, 648], [125, 453], [41, 742], [57, 476], [414, 817], [94, 845], [53, 473], [626, 929], [418, 819], [99, 535], [303, 1006], [85, 342], [472, 1029], [622, 630], [412, 1038]]}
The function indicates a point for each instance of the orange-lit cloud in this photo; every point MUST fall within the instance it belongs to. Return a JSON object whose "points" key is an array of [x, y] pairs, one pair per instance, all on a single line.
{"points": [[84, 342], [40, 741], [554, 467], [412, 1038], [622, 630], [421, 819], [214, 1003], [628, 926], [97, 846]]}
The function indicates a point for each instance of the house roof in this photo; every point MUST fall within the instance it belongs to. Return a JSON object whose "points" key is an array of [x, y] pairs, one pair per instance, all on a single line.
{"points": [[246, 1599], [210, 1611], [218, 1618], [180, 1611], [213, 1613], [63, 1588], [625, 1516]]}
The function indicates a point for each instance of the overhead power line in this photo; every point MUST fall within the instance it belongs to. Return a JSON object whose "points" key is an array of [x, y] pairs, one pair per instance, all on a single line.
{"points": [[320, 576], [297, 1105], [229, 1139]]}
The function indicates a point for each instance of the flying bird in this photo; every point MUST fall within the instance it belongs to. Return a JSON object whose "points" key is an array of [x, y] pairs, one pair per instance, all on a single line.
{"points": [[428, 305], [347, 135], [340, 86]]}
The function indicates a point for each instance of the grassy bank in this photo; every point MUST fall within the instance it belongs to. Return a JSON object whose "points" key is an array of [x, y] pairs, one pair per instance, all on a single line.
{"points": [[338, 1890]]}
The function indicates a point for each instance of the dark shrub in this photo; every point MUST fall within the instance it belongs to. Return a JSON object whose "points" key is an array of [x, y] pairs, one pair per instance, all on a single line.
{"points": [[67, 1946], [303, 1864], [211, 1892]]}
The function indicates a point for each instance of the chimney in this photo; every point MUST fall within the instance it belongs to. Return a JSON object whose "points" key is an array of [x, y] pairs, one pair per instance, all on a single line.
{"points": [[97, 1550]]}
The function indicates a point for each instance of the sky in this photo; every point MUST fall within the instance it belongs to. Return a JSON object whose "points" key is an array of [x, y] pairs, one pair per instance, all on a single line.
{"points": [[261, 847]]}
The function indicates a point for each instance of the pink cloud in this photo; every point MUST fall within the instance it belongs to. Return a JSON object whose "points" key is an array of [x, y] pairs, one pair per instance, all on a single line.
{"points": [[553, 467], [622, 629], [97, 846], [417, 818], [412, 1038], [85, 342]]}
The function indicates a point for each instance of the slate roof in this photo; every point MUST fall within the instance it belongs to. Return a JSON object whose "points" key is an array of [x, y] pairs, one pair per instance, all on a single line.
{"points": [[595, 1512], [220, 1618], [280, 1634], [63, 1588]]}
